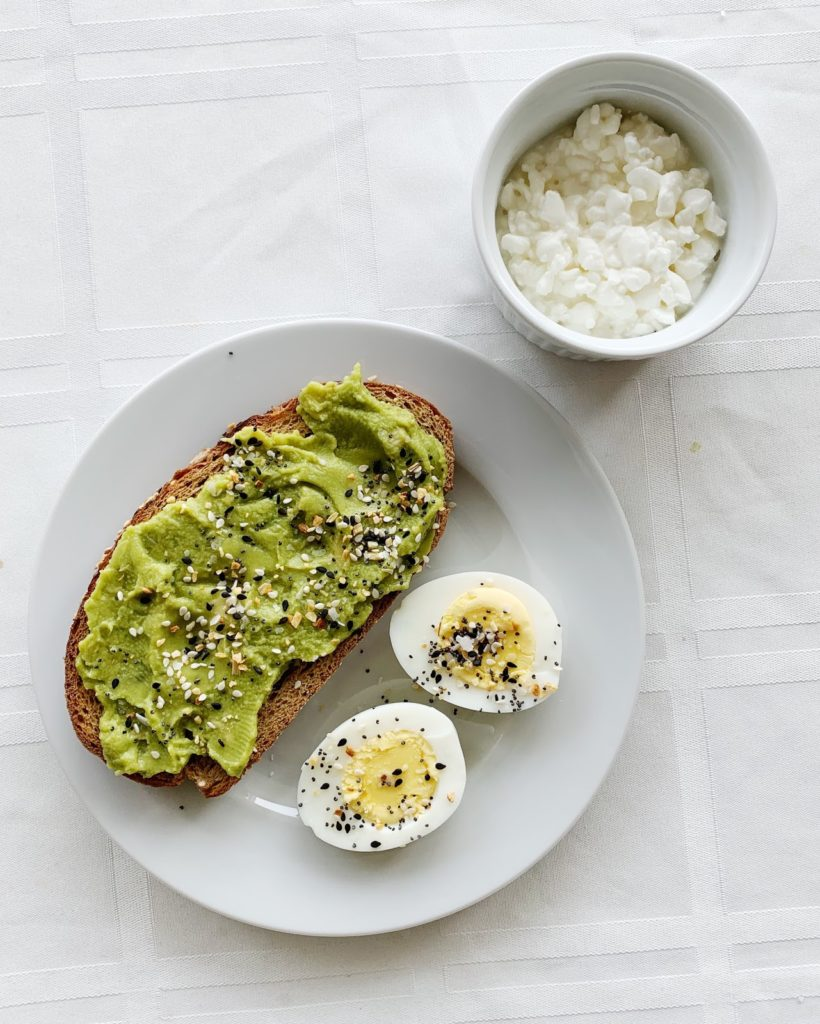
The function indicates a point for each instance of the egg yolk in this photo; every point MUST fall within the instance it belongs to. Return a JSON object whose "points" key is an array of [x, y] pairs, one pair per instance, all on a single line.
{"points": [[391, 778], [486, 639]]}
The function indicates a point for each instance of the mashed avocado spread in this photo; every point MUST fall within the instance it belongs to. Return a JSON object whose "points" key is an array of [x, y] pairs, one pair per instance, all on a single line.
{"points": [[202, 608]]}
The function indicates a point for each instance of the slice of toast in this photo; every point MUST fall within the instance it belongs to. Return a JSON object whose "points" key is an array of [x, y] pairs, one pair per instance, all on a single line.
{"points": [[285, 701]]}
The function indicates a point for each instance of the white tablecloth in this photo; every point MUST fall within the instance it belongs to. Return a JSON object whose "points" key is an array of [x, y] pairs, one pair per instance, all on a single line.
{"points": [[173, 171]]}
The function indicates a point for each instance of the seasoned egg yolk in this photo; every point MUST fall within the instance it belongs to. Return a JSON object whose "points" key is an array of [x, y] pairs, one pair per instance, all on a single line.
{"points": [[391, 778], [486, 638]]}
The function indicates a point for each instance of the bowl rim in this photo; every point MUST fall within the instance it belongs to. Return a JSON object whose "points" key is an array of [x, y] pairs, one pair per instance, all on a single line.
{"points": [[650, 344]]}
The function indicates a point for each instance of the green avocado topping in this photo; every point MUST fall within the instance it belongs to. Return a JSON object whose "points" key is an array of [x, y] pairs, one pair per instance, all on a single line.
{"points": [[202, 608]]}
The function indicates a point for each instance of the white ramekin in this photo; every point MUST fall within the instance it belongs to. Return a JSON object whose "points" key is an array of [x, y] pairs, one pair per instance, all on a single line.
{"points": [[721, 139]]}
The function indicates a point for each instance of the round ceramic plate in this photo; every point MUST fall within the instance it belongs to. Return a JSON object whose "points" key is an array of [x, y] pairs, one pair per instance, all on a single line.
{"points": [[531, 502]]}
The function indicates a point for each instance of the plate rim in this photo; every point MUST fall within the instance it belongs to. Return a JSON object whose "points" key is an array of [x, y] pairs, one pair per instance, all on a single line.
{"points": [[321, 322]]}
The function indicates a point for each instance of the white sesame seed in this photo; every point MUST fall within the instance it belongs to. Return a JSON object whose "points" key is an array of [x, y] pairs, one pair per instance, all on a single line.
{"points": [[155, 755], [132, 631], [120, 595], [236, 693]]}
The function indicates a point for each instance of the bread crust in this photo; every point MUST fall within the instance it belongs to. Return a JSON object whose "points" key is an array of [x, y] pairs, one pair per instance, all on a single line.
{"points": [[284, 702]]}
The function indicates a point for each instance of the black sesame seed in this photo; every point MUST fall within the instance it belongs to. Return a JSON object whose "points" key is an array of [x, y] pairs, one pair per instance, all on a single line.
{"points": [[114, 684], [216, 706], [342, 743], [440, 766], [375, 844], [325, 785]]}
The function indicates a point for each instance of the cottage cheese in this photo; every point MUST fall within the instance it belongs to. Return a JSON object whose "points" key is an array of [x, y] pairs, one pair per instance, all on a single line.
{"points": [[608, 228]]}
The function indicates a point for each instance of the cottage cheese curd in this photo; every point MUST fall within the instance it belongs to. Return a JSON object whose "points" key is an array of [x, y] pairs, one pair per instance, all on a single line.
{"points": [[608, 227]]}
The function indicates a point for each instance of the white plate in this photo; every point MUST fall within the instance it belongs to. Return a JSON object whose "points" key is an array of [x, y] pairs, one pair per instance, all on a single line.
{"points": [[531, 501]]}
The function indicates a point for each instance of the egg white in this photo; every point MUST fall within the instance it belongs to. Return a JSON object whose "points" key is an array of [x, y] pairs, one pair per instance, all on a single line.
{"points": [[413, 628], [326, 765]]}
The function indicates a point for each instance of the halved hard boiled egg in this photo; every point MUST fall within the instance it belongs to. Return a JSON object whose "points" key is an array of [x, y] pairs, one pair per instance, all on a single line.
{"points": [[481, 640], [382, 779]]}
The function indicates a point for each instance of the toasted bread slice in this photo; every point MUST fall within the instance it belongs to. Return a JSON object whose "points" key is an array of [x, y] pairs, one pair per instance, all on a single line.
{"points": [[284, 702]]}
